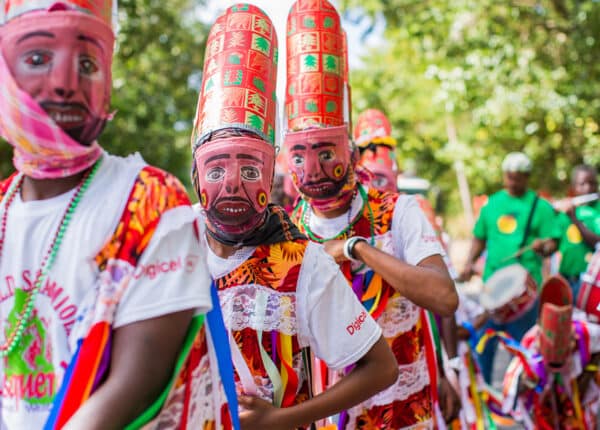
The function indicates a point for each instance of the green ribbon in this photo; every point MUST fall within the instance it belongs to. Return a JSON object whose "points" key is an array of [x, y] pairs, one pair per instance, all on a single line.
{"points": [[154, 409]]}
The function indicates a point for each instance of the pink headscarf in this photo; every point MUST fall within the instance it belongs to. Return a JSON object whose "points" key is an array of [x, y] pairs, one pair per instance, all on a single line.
{"points": [[42, 150]]}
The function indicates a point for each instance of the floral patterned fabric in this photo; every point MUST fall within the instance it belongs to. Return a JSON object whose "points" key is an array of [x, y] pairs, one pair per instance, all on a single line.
{"points": [[274, 268], [407, 404]]}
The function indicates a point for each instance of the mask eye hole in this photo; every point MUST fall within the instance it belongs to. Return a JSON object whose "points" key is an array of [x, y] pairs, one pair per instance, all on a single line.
{"points": [[379, 181], [38, 58], [297, 160], [88, 66], [250, 173], [325, 156], [215, 174]]}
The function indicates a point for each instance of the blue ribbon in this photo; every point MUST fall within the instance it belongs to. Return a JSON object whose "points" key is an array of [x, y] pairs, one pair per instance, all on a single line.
{"points": [[220, 339], [473, 338]]}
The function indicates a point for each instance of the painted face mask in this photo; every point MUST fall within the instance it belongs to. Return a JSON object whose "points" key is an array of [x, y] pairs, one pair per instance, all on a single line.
{"points": [[320, 162], [381, 163], [57, 91], [234, 184]]}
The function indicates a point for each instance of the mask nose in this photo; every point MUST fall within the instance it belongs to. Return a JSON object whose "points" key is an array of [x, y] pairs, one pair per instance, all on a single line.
{"points": [[233, 180], [63, 76], [313, 168]]}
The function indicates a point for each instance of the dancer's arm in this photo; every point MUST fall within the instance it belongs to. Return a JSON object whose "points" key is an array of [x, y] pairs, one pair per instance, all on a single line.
{"points": [[427, 284], [142, 360]]}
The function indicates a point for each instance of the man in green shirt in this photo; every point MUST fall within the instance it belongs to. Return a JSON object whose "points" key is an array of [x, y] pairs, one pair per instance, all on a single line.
{"points": [[580, 227], [502, 230]]}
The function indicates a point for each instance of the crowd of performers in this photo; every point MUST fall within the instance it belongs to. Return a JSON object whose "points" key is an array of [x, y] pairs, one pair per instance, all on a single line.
{"points": [[124, 306]]}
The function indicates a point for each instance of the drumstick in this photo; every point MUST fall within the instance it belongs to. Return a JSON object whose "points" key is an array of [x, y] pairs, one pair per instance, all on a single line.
{"points": [[518, 253], [578, 200]]}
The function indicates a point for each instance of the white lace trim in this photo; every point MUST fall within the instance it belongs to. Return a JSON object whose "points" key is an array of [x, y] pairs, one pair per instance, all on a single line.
{"points": [[202, 408], [400, 316], [259, 308], [413, 378], [206, 398]]}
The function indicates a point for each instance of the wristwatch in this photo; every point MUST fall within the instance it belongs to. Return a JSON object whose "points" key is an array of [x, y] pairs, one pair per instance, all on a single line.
{"points": [[349, 246]]}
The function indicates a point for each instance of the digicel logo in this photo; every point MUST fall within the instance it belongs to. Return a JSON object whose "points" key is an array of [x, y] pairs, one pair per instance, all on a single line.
{"points": [[155, 269], [357, 323]]}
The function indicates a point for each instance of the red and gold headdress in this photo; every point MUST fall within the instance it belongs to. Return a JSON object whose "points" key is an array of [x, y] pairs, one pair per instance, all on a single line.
{"points": [[240, 75], [372, 126], [317, 105], [555, 321], [316, 66]]}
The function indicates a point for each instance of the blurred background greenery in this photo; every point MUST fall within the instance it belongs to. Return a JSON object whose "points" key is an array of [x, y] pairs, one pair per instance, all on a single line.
{"points": [[500, 75], [504, 75]]}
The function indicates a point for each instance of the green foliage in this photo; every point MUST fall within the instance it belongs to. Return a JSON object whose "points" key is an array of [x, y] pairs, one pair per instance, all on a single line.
{"points": [[155, 84], [519, 75]]}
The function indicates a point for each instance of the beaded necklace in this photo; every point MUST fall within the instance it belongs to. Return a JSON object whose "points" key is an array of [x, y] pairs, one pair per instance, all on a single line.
{"points": [[13, 339], [348, 231]]}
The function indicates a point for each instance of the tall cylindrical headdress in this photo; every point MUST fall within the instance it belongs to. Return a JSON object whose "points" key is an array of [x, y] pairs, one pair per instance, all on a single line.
{"points": [[372, 126], [555, 321], [240, 76], [315, 66]]}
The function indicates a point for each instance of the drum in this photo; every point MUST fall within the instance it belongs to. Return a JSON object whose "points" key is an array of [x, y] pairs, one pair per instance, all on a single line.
{"points": [[509, 293], [588, 298]]}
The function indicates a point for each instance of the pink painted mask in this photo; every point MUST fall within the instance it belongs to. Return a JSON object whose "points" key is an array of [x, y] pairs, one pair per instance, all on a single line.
{"points": [[64, 64], [380, 161], [235, 175], [59, 61], [382, 179], [321, 164]]}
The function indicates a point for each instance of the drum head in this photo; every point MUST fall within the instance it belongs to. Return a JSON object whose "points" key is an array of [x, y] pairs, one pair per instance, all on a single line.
{"points": [[503, 286]]}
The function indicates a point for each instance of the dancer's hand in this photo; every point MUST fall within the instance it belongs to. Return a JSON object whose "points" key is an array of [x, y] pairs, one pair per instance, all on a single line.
{"points": [[258, 414], [335, 248], [449, 400]]}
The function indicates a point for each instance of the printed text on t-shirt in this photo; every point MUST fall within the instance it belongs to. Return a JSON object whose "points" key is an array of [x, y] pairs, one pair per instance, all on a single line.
{"points": [[357, 323]]}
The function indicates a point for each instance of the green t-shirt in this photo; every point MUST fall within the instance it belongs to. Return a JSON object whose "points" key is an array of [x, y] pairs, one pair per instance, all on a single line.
{"points": [[502, 225], [575, 252]]}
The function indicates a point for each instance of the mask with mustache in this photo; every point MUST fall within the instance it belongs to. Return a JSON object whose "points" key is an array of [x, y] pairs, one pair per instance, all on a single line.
{"points": [[322, 166], [234, 178]]}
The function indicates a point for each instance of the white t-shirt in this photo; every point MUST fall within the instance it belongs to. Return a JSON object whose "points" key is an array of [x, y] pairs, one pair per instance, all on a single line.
{"points": [[412, 240], [327, 316], [170, 276]]}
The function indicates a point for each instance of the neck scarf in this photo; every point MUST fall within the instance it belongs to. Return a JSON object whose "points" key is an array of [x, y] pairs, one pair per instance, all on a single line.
{"points": [[276, 228]]}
